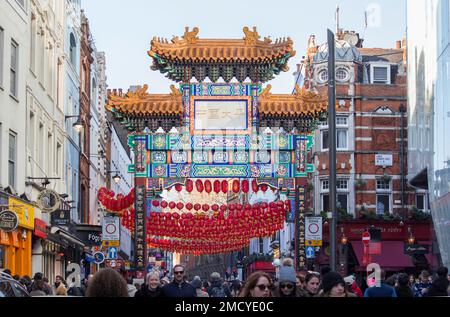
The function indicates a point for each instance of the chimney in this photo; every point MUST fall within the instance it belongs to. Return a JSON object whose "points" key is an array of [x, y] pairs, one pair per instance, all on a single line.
{"points": [[398, 45]]}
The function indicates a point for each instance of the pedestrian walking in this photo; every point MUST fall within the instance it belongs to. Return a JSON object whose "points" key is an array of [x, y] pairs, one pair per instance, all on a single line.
{"points": [[258, 284], [61, 290], [58, 282], [217, 288], [38, 288], [352, 286], [152, 287], [311, 285], [197, 283], [334, 286], [286, 286], [179, 287], [107, 283], [421, 288], [440, 284], [38, 277], [384, 290], [403, 288], [26, 281]]}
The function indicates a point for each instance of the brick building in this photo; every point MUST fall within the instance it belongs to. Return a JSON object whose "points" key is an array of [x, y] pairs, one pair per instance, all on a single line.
{"points": [[371, 124], [85, 113]]}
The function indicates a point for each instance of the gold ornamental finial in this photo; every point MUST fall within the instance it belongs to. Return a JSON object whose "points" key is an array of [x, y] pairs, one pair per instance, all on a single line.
{"points": [[191, 36], [251, 37]]}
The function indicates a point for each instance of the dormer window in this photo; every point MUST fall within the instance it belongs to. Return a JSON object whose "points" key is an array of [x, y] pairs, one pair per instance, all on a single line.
{"points": [[380, 74]]}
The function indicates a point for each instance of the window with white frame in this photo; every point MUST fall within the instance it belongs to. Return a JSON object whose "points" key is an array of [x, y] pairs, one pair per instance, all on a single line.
{"points": [[384, 197], [73, 50], [342, 195], [380, 74], [341, 134], [12, 158], [421, 202], [14, 68]]}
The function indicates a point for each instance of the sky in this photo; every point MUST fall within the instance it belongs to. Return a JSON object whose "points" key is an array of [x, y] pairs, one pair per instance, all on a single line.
{"points": [[123, 29]]}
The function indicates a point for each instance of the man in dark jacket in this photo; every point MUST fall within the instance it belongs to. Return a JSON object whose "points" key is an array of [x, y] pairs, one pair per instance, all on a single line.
{"points": [[421, 289], [383, 291], [440, 285], [217, 288], [179, 287]]}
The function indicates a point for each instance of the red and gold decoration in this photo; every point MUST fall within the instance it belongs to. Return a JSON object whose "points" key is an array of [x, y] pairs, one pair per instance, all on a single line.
{"points": [[116, 205]]}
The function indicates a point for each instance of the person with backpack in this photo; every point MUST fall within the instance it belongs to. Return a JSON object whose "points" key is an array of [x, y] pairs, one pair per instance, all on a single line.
{"points": [[217, 289]]}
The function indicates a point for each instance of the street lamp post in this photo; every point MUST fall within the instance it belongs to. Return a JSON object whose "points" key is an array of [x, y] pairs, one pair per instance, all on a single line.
{"points": [[332, 143]]}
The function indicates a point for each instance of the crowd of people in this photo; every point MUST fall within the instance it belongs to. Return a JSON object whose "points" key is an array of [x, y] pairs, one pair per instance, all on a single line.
{"points": [[289, 283]]}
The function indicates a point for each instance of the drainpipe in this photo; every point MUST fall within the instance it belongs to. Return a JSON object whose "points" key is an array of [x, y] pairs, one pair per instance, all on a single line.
{"points": [[402, 155]]}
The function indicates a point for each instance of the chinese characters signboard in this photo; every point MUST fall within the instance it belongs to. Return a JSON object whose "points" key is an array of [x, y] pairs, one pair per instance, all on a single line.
{"points": [[301, 231], [140, 233]]}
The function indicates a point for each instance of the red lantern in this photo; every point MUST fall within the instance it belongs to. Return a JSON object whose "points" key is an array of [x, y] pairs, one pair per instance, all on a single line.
{"points": [[208, 186], [199, 185], [215, 207], [178, 187], [224, 186], [180, 206], [189, 185], [216, 186], [255, 187], [264, 187], [232, 207], [245, 186], [164, 204], [236, 186], [197, 207], [223, 208], [189, 206], [155, 203], [205, 207], [172, 205]]}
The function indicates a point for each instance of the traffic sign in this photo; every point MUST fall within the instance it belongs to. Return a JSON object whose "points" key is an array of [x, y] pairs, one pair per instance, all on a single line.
{"points": [[112, 253], [310, 253], [313, 227], [314, 243], [99, 257], [111, 228], [115, 264], [109, 243], [366, 238]]}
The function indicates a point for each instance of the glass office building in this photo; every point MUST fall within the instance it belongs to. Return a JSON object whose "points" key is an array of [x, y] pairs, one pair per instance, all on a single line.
{"points": [[428, 34]]}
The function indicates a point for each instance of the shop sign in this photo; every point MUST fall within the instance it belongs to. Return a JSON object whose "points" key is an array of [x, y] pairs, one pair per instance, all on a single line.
{"points": [[140, 251], [8, 221], [24, 211], [48, 201], [301, 228], [40, 228], [383, 160], [60, 218], [417, 249]]}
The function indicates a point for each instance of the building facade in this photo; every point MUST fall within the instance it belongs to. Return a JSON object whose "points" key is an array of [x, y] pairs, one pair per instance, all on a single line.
{"points": [[86, 60], [371, 141], [72, 43], [15, 247], [429, 112]]}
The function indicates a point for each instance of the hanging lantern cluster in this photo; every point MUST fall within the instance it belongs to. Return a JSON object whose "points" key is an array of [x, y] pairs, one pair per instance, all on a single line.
{"points": [[118, 204], [232, 225], [128, 219], [196, 247], [218, 186]]}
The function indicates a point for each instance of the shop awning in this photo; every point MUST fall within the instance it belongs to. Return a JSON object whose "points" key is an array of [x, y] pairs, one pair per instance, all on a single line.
{"points": [[392, 257], [65, 237]]}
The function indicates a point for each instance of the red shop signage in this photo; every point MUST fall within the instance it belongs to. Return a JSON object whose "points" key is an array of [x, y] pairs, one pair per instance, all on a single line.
{"points": [[40, 228]]}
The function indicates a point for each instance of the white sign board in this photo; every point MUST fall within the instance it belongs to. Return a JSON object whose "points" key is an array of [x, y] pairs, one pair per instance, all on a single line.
{"points": [[383, 160], [111, 229], [313, 227], [221, 114]]}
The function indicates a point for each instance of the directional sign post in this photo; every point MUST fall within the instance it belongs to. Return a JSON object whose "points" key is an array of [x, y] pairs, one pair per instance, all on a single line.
{"points": [[310, 252], [112, 253], [99, 257]]}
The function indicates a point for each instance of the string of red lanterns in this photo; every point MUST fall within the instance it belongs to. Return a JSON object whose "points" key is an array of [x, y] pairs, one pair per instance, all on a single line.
{"points": [[119, 204]]}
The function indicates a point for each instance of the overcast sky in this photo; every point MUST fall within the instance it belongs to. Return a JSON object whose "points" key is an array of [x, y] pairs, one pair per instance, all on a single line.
{"points": [[123, 29]]}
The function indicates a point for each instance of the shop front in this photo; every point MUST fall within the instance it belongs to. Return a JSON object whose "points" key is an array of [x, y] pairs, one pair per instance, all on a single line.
{"points": [[403, 247], [15, 246]]}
